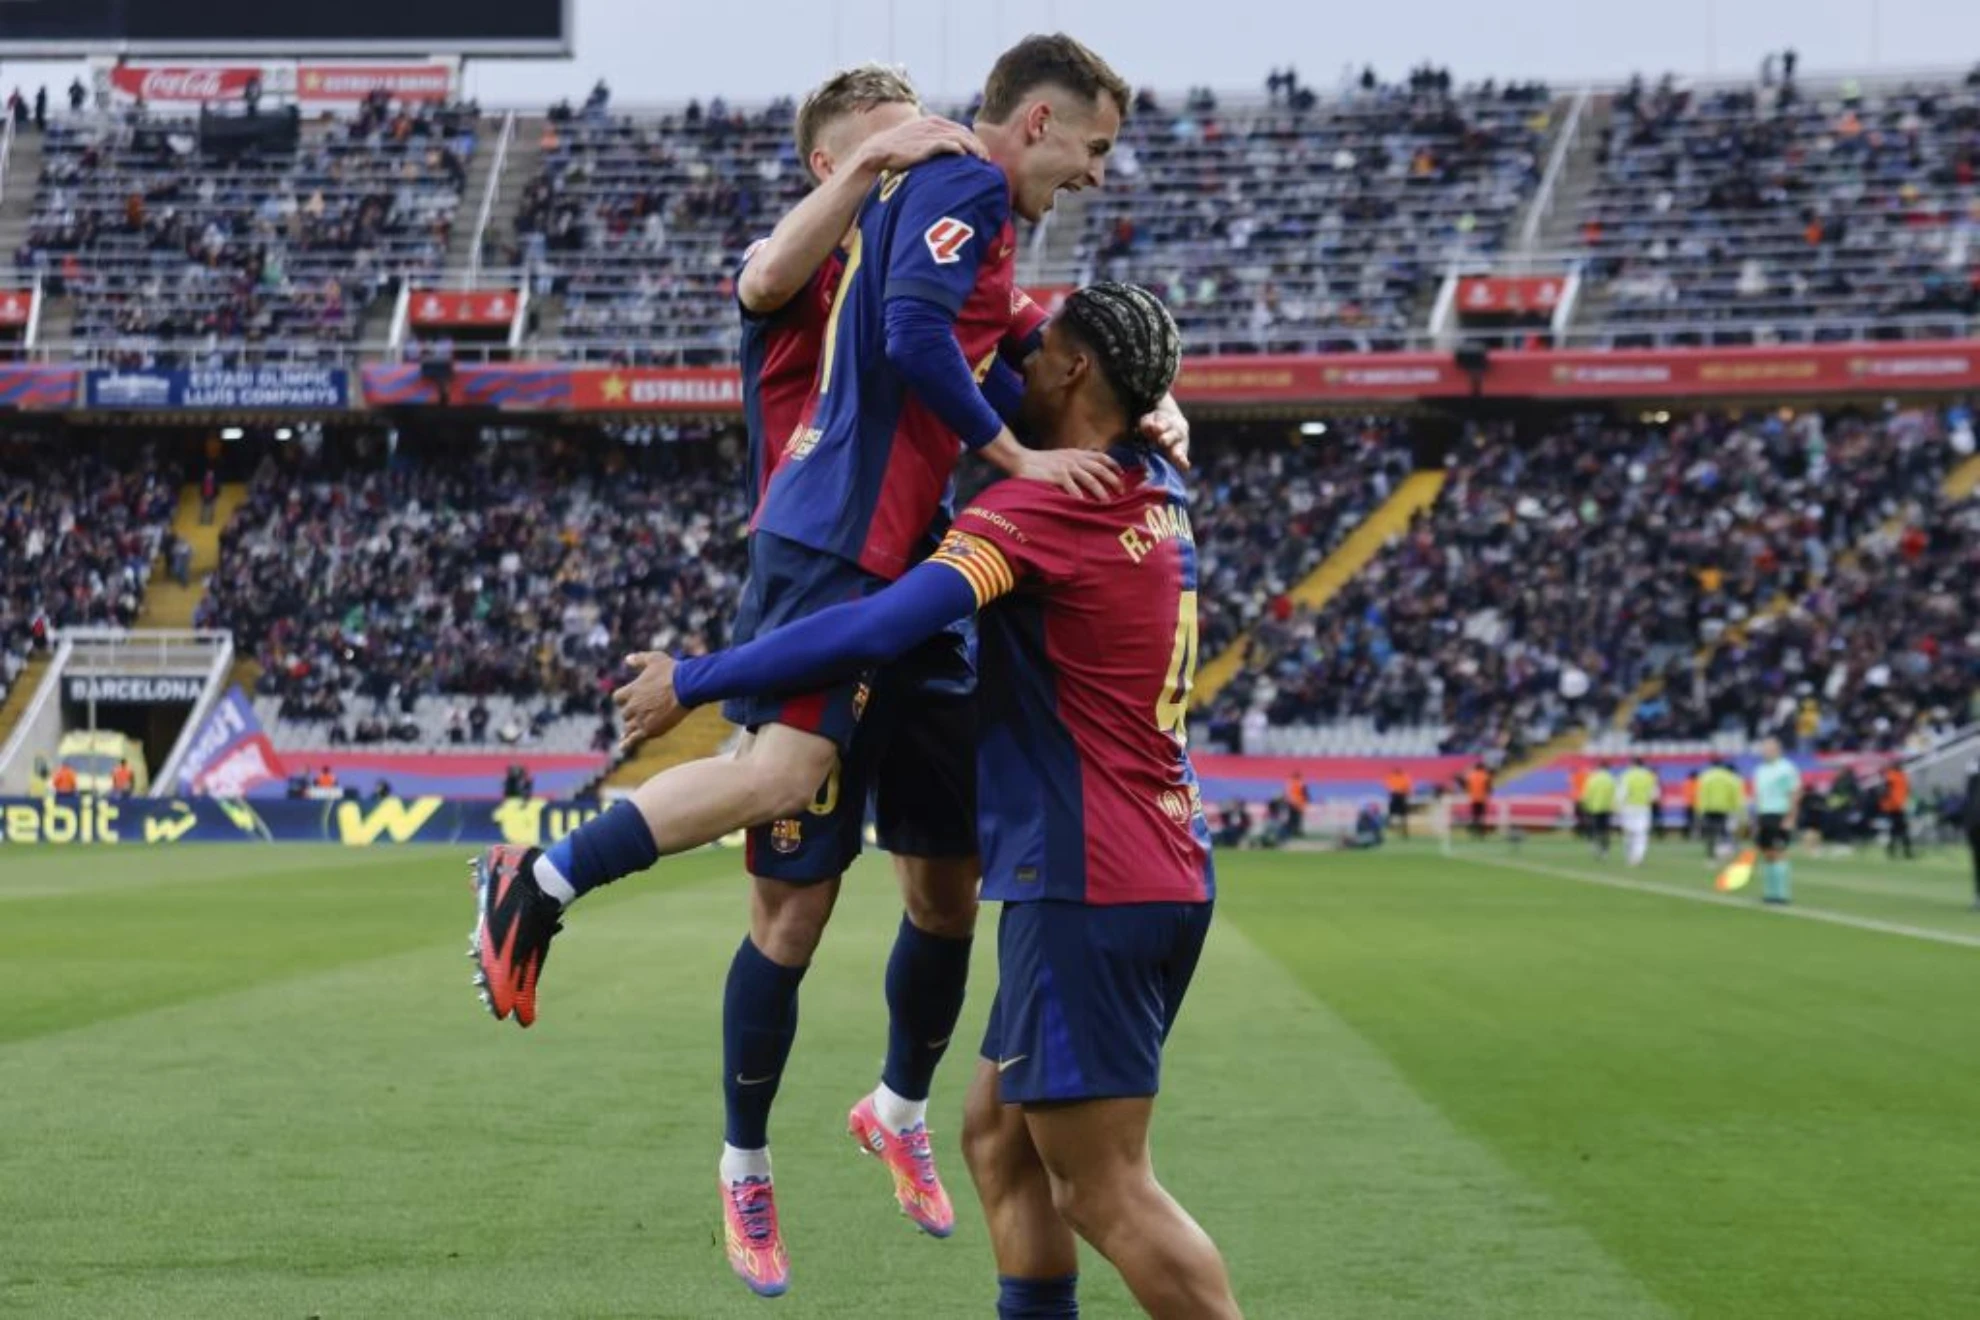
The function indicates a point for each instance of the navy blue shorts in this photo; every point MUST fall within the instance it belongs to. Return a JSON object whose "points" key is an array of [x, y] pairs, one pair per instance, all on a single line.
{"points": [[788, 582], [1086, 996], [924, 772], [824, 842]]}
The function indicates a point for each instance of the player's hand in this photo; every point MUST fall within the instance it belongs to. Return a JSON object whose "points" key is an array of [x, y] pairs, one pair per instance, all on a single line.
{"points": [[1083, 472], [1168, 430], [648, 705], [918, 140]]}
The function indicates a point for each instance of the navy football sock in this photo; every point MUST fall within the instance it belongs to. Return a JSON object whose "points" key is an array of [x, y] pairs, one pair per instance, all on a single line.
{"points": [[759, 1022], [615, 844], [926, 978], [1037, 1299]]}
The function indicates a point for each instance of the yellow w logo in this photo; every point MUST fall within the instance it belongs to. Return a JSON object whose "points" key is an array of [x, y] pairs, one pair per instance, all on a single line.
{"points": [[172, 830], [360, 827]]}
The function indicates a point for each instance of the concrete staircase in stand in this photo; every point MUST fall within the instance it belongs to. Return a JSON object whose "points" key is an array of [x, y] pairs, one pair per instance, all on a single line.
{"points": [[19, 695], [17, 192], [700, 735], [1417, 493], [524, 160], [166, 603]]}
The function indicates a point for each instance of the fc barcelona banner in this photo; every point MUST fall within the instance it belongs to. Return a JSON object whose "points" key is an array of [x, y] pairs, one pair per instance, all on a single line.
{"points": [[163, 822]]}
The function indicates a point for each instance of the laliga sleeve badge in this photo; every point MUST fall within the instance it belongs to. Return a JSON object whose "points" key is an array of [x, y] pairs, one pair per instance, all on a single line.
{"points": [[946, 239]]}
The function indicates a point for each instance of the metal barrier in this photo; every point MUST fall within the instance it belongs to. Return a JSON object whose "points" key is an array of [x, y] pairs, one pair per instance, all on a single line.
{"points": [[488, 194], [1542, 204]]}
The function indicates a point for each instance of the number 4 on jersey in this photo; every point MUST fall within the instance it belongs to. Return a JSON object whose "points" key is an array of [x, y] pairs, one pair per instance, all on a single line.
{"points": [[1172, 707]]}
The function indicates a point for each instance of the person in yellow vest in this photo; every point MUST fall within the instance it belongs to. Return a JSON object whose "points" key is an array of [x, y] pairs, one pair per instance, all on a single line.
{"points": [[1639, 791], [1721, 797], [1598, 806]]}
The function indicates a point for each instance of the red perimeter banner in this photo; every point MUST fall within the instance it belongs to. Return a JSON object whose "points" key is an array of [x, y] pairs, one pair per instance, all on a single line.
{"points": [[320, 84], [657, 389], [485, 308], [1502, 295], [351, 83], [1943, 366], [1320, 379], [1705, 372], [183, 84], [16, 307]]}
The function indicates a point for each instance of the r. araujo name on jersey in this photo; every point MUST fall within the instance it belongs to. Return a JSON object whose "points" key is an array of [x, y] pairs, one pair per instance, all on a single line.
{"points": [[1084, 783], [865, 473]]}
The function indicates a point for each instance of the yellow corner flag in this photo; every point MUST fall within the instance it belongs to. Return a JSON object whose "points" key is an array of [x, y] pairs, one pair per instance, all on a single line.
{"points": [[1736, 875]]}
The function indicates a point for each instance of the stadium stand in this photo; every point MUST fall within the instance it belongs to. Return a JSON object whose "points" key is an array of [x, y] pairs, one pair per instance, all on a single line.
{"points": [[1774, 214], [1265, 516], [467, 600], [1873, 649], [1565, 564], [639, 224], [171, 245], [1314, 225], [79, 531]]}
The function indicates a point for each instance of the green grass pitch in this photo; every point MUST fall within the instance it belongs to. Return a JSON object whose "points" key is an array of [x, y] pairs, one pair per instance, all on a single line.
{"points": [[248, 1081]]}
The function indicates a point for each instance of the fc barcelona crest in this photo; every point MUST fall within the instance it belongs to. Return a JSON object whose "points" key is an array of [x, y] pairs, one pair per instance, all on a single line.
{"points": [[786, 835]]}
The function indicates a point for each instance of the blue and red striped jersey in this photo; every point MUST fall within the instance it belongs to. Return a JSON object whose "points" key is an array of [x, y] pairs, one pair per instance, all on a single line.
{"points": [[779, 365], [865, 474], [1085, 789]]}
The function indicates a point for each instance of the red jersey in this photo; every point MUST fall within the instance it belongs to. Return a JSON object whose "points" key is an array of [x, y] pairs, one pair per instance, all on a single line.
{"points": [[1085, 789], [779, 363]]}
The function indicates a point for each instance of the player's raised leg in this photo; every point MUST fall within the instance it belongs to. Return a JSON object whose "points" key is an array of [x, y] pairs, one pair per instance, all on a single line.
{"points": [[520, 894], [1037, 1253]]}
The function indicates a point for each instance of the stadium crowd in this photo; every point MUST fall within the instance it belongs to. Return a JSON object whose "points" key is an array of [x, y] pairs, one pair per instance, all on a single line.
{"points": [[1768, 213], [1266, 515], [79, 531], [1559, 570], [1314, 225], [166, 241], [516, 570], [1873, 648], [639, 224]]}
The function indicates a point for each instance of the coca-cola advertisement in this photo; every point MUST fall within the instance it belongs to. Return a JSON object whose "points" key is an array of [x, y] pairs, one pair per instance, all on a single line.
{"points": [[184, 84]]}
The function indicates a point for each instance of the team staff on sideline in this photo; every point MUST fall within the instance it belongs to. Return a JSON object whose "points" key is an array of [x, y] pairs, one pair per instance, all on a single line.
{"points": [[1776, 800]]}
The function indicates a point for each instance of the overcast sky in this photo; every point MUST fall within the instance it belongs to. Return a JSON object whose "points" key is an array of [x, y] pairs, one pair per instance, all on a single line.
{"points": [[662, 51]]}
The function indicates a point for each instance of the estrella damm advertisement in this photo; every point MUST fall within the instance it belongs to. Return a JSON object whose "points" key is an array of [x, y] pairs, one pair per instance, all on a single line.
{"points": [[530, 822]]}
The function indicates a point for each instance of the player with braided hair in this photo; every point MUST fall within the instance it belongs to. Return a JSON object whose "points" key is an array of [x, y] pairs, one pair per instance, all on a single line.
{"points": [[1092, 827]]}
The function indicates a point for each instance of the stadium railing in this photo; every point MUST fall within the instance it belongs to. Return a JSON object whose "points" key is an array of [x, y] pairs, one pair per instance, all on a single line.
{"points": [[1541, 206], [491, 191]]}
